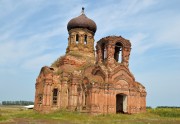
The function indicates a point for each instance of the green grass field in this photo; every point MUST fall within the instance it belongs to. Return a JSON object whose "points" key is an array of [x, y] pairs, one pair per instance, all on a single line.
{"points": [[11, 115]]}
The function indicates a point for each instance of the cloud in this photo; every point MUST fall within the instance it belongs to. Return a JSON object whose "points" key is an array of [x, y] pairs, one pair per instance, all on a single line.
{"points": [[170, 32], [138, 43], [121, 15], [39, 61], [136, 6], [27, 47], [34, 34], [17, 43], [143, 22]]}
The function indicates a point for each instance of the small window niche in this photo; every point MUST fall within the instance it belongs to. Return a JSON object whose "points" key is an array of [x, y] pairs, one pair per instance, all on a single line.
{"points": [[55, 96], [118, 52]]}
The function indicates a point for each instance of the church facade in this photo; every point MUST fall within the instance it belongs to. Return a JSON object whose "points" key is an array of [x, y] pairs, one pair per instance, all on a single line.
{"points": [[88, 80]]}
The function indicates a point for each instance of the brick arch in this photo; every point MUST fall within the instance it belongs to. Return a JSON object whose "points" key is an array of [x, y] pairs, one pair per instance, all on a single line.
{"points": [[114, 40], [98, 72], [122, 71], [125, 43], [121, 84], [121, 76]]}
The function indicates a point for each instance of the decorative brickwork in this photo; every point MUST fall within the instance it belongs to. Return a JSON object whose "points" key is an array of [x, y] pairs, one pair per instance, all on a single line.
{"points": [[80, 82]]}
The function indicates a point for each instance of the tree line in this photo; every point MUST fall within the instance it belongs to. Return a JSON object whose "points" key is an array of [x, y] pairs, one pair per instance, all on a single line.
{"points": [[149, 107], [168, 106], [17, 103]]}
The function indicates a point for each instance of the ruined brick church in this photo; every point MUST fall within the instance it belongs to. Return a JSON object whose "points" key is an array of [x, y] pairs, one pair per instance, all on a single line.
{"points": [[87, 80]]}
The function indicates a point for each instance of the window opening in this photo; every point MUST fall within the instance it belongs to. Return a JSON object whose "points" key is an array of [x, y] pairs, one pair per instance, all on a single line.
{"points": [[85, 101], [40, 98], [104, 52], [55, 95], [118, 52], [85, 39], [77, 38]]}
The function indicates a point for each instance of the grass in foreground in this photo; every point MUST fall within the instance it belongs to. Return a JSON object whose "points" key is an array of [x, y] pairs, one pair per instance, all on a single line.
{"points": [[159, 115]]}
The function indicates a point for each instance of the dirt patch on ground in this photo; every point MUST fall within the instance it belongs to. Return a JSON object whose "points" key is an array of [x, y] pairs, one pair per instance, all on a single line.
{"points": [[46, 121], [37, 121]]}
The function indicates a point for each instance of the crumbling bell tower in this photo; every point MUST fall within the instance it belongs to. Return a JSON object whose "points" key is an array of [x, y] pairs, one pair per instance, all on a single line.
{"points": [[124, 94], [113, 50], [80, 82]]}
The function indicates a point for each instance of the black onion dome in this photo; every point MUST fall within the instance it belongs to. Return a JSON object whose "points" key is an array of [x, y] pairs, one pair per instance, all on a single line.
{"points": [[82, 21]]}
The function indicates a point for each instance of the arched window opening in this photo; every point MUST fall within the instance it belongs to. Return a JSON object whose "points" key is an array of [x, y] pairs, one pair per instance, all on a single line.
{"points": [[77, 38], [55, 96], [104, 52], [118, 52], [85, 39]]}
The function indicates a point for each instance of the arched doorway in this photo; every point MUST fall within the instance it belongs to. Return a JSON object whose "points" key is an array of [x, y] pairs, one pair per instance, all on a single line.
{"points": [[121, 103]]}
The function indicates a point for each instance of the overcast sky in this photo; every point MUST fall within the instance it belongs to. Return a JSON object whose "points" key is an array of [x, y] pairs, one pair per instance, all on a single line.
{"points": [[33, 33]]}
